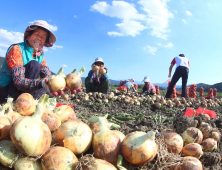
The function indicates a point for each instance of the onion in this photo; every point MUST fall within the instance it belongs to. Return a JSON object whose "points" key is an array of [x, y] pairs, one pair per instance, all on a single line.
{"points": [[174, 142], [106, 143], [73, 80], [65, 96], [120, 134], [209, 145], [26, 163], [57, 82], [58, 157], [139, 147], [192, 149], [29, 134], [51, 119], [5, 124], [99, 164], [205, 128], [65, 113], [192, 135], [25, 104], [188, 163], [102, 71], [8, 153], [74, 135], [12, 115]]}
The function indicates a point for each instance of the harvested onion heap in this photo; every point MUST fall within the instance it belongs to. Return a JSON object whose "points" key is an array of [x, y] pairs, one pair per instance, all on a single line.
{"points": [[157, 89], [201, 91], [192, 91]]}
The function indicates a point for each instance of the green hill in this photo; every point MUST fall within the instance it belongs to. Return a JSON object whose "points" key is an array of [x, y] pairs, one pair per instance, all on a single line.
{"points": [[206, 87]]}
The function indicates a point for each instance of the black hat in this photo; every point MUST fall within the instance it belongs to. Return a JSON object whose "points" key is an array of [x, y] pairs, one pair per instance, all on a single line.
{"points": [[181, 55]]}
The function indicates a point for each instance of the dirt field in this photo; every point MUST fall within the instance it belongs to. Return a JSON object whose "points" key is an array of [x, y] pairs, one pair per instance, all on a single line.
{"points": [[155, 119]]}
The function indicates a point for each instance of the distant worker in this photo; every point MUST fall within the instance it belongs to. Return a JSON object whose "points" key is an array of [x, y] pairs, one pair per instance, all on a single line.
{"points": [[24, 69], [129, 84], [148, 87], [182, 70], [97, 79]]}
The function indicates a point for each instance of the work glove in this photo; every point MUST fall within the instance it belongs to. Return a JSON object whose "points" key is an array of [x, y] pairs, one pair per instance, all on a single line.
{"points": [[45, 85]]}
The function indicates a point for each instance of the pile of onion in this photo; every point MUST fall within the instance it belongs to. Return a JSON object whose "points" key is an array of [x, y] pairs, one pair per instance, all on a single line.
{"points": [[57, 82], [29, 134], [25, 104], [192, 149], [74, 135], [58, 157], [139, 147], [73, 81]]}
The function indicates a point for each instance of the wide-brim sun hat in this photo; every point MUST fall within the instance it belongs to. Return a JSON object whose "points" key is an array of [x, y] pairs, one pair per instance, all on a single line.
{"points": [[146, 79], [43, 24], [98, 60]]}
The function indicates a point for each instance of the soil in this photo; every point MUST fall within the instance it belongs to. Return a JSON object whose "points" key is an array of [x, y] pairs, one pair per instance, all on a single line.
{"points": [[155, 119]]}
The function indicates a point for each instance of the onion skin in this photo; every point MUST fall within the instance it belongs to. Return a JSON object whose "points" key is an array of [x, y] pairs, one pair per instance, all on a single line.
{"points": [[74, 135], [57, 158], [174, 142], [8, 153], [192, 135], [99, 164], [137, 151], [65, 113], [205, 128], [209, 145], [29, 134], [5, 126], [120, 134], [188, 163], [192, 149], [25, 104], [57, 82], [26, 163], [73, 81], [106, 145], [95, 126], [51, 119]]}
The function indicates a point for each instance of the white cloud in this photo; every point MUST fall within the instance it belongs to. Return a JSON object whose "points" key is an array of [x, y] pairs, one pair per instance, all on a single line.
{"points": [[75, 16], [150, 49], [112, 33], [155, 17], [56, 46], [168, 45], [64, 65], [189, 13], [8, 38], [2, 52], [185, 22], [158, 16]]}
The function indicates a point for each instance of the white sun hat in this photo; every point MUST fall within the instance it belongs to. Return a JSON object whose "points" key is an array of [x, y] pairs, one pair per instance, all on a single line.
{"points": [[98, 60], [43, 24], [146, 79]]}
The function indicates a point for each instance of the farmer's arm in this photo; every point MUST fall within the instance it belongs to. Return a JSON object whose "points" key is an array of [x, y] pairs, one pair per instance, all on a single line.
{"points": [[170, 70], [90, 74], [45, 72], [15, 63]]}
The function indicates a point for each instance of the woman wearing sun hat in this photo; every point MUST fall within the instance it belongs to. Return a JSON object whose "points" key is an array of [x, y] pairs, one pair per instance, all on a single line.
{"points": [[148, 87], [24, 67], [97, 79]]}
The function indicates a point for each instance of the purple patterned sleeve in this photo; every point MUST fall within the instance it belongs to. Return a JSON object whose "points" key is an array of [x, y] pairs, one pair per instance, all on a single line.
{"points": [[45, 72], [22, 83]]}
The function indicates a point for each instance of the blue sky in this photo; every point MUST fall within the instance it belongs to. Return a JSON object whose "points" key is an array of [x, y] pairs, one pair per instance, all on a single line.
{"points": [[135, 38]]}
